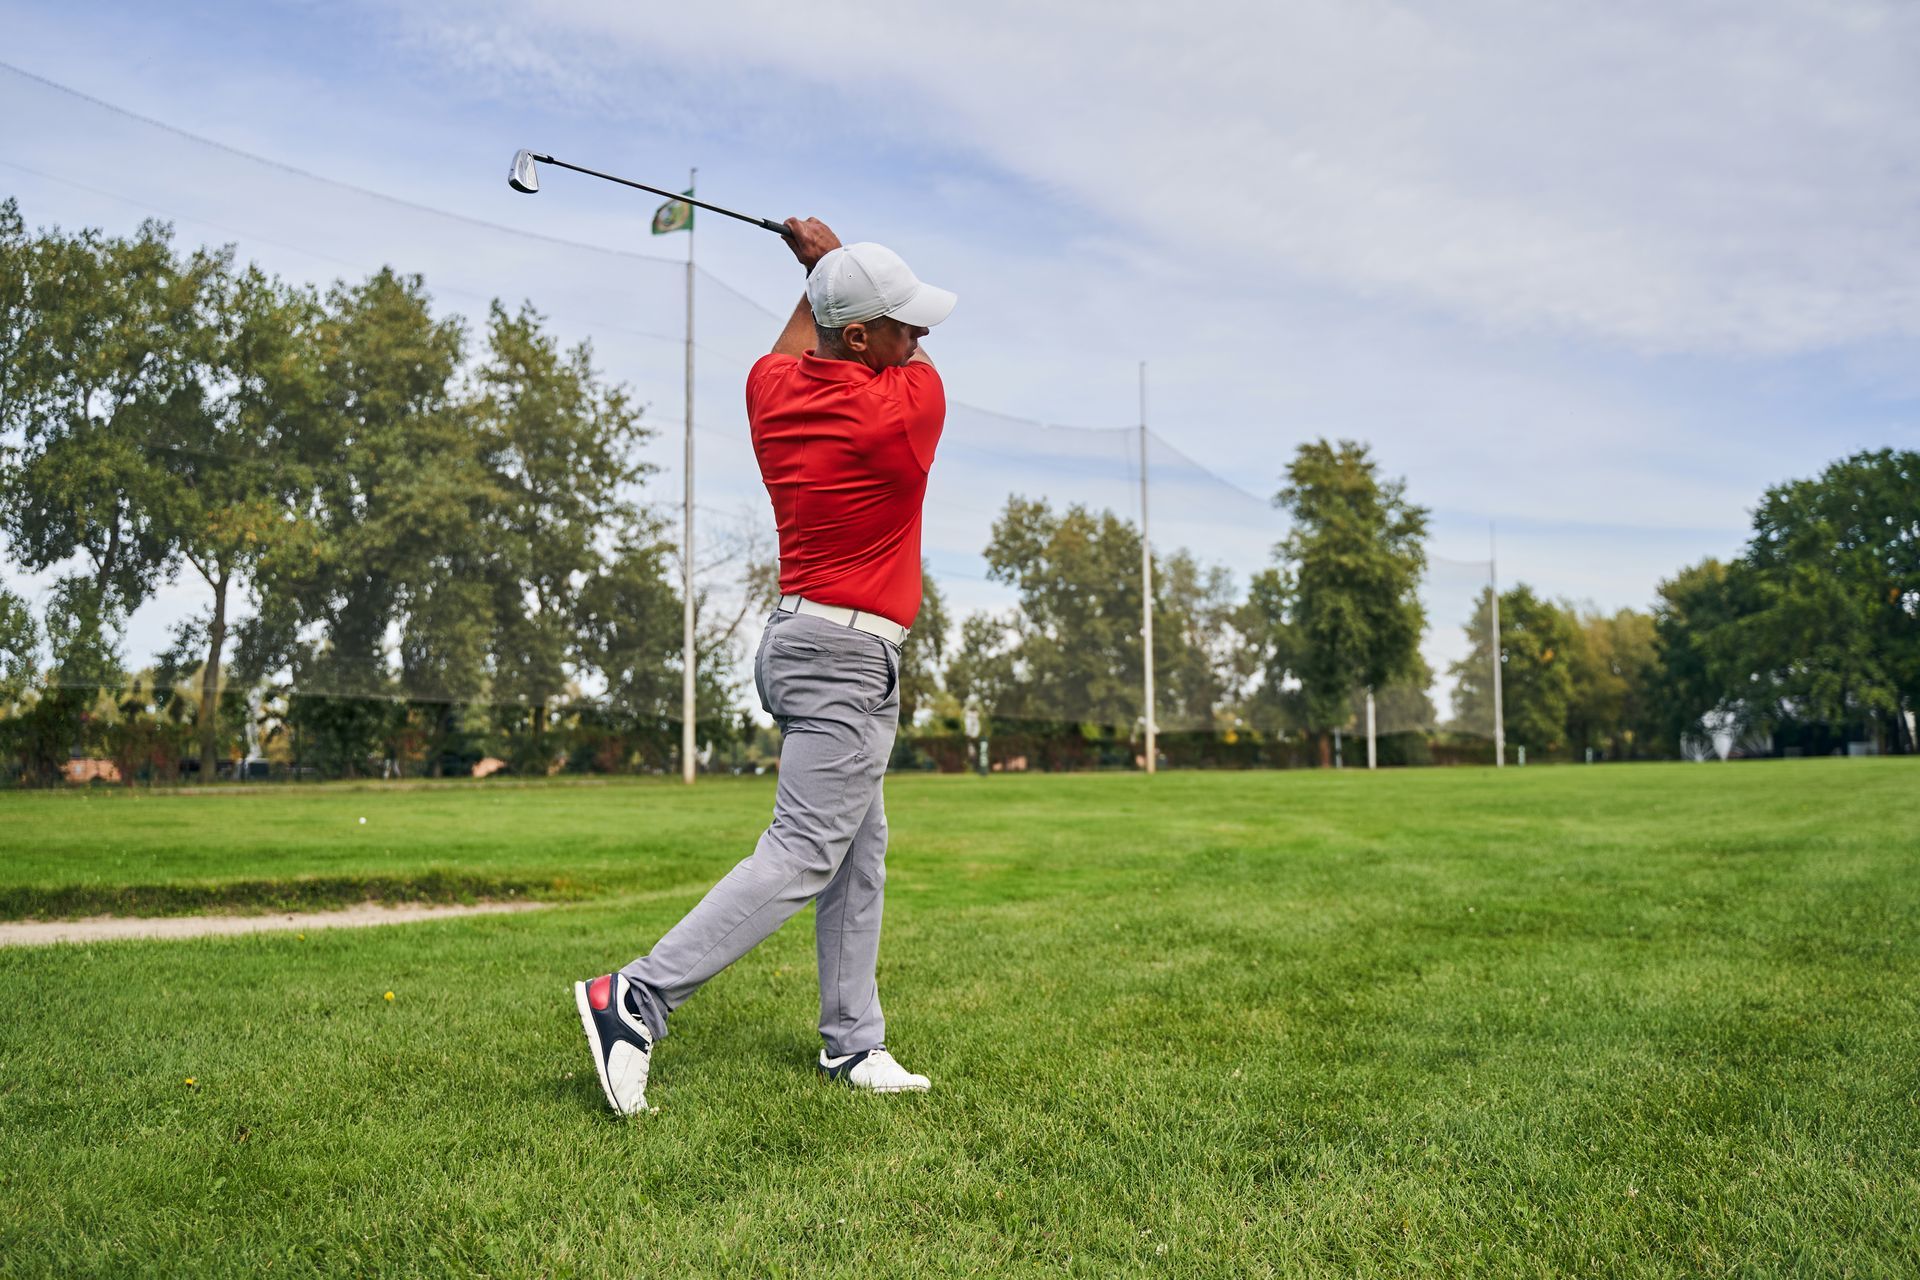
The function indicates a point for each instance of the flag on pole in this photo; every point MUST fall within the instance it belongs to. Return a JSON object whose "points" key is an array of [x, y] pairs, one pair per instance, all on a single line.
{"points": [[674, 215]]}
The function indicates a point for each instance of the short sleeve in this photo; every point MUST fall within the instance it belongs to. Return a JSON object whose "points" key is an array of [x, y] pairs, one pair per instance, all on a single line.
{"points": [[764, 370], [922, 398]]}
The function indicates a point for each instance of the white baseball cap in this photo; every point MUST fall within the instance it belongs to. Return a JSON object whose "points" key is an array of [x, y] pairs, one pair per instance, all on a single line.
{"points": [[864, 281]]}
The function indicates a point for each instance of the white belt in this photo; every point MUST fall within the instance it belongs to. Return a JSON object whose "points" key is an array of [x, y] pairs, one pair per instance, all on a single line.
{"points": [[871, 623]]}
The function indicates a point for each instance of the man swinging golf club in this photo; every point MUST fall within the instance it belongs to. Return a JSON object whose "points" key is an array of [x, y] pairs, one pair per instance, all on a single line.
{"points": [[846, 412]]}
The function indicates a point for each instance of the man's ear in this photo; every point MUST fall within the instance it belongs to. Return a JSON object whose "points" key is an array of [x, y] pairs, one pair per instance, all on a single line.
{"points": [[854, 336]]}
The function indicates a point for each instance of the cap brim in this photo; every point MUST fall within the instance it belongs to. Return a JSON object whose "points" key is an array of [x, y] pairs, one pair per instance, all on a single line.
{"points": [[926, 308]]}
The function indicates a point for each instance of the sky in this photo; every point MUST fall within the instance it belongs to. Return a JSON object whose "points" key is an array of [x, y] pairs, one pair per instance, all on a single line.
{"points": [[1594, 276]]}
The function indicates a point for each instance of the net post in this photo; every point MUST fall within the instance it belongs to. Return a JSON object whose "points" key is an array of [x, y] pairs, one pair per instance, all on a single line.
{"points": [[1493, 649], [1372, 754], [1146, 585], [688, 658]]}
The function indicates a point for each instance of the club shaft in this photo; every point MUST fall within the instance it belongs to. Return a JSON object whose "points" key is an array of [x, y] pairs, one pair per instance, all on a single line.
{"points": [[768, 223]]}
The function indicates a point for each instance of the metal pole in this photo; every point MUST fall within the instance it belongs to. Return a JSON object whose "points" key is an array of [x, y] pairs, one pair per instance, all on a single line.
{"points": [[688, 658], [1499, 715], [1372, 757], [1146, 583]]}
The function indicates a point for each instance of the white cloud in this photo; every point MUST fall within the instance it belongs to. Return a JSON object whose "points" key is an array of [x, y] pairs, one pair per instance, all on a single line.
{"points": [[1290, 217], [1670, 177]]}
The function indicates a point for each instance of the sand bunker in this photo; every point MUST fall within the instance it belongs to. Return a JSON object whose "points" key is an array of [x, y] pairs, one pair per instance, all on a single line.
{"points": [[27, 933]]}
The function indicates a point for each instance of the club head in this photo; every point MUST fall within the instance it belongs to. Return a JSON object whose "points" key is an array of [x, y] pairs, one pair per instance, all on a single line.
{"points": [[524, 176]]}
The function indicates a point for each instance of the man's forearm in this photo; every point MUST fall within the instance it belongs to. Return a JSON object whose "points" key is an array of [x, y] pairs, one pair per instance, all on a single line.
{"points": [[797, 337], [811, 240]]}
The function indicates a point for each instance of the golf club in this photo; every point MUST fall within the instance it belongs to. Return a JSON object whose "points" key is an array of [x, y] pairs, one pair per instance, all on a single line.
{"points": [[525, 177]]}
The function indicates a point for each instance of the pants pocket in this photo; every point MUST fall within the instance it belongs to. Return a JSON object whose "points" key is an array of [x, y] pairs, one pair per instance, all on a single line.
{"points": [[891, 658], [760, 677]]}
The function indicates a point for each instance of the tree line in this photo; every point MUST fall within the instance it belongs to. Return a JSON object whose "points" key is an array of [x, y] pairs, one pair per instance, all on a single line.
{"points": [[427, 535], [1808, 642], [414, 544]]}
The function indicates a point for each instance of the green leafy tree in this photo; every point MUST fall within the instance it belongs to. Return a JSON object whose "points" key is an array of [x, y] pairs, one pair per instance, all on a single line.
{"points": [[1816, 627], [19, 669], [84, 662], [97, 334], [630, 635], [241, 465], [1345, 603], [1611, 709], [561, 452], [1695, 674], [19, 650], [983, 665], [1071, 651], [16, 307], [1206, 670], [98, 342], [1404, 705], [737, 581], [394, 486], [924, 655], [1537, 641], [1832, 631], [1273, 703]]}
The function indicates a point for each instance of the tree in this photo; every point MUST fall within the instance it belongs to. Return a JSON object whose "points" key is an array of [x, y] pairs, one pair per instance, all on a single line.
{"points": [[397, 478], [84, 662], [97, 336], [924, 655], [19, 667], [240, 468], [630, 620], [982, 668], [1614, 672], [1206, 669], [1695, 673], [1832, 631], [560, 450], [1404, 705], [1273, 701], [1071, 651], [1816, 627], [738, 579], [16, 307], [19, 649], [1537, 640], [1350, 574]]}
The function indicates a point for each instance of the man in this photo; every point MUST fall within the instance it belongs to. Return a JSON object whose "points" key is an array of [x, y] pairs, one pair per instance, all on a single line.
{"points": [[844, 433]]}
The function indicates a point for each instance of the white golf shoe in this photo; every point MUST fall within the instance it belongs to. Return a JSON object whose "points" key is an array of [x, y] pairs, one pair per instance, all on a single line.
{"points": [[622, 1046], [873, 1070]]}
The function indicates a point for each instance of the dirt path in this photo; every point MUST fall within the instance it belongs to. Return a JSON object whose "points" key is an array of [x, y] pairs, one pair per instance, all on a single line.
{"points": [[28, 933]]}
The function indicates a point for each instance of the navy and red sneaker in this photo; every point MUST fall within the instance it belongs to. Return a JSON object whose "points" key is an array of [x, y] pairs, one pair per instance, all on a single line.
{"points": [[622, 1045]]}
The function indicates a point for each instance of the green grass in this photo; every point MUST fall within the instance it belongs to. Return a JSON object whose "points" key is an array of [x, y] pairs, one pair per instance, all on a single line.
{"points": [[1648, 1020]]}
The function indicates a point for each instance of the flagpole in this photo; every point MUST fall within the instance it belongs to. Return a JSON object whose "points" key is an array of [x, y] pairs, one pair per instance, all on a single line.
{"points": [[688, 658]]}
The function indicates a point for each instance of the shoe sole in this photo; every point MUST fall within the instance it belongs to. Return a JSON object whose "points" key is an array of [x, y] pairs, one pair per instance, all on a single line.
{"points": [[865, 1088], [594, 1043]]}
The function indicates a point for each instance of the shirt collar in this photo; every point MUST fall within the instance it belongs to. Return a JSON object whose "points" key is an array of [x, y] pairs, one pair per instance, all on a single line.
{"points": [[833, 370]]}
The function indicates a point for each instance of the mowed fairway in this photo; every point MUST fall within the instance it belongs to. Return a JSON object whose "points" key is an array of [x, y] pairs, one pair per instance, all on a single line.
{"points": [[1623, 1020]]}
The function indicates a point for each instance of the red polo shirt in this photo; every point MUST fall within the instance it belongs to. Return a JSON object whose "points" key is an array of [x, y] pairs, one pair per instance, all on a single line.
{"points": [[844, 452]]}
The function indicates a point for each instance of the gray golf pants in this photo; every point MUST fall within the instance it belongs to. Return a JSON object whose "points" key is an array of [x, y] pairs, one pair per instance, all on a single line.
{"points": [[835, 693]]}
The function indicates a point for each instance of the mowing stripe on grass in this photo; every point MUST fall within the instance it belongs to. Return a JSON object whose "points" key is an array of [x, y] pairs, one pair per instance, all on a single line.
{"points": [[76, 901]]}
